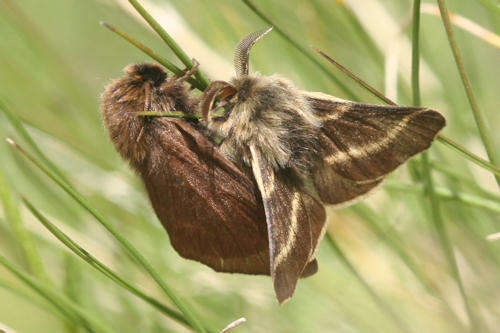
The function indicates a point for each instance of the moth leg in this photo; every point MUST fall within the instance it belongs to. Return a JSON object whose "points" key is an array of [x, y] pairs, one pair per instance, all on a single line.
{"points": [[147, 98], [190, 72], [147, 106]]}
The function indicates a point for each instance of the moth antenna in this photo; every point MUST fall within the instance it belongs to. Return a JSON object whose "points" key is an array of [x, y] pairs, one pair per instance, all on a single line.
{"points": [[242, 52], [190, 71]]}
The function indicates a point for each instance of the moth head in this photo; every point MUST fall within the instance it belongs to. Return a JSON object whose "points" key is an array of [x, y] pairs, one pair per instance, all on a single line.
{"points": [[225, 93]]}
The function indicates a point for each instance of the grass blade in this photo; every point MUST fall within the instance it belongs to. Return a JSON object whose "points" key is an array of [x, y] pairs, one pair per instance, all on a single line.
{"points": [[94, 262], [184, 308], [164, 61], [444, 239], [415, 54], [73, 285], [349, 93], [377, 299], [61, 302], [469, 155], [170, 42], [18, 126], [60, 68], [168, 114], [493, 5], [394, 243], [465, 180], [26, 242], [446, 194], [47, 307], [437, 218], [479, 116], [467, 25]]}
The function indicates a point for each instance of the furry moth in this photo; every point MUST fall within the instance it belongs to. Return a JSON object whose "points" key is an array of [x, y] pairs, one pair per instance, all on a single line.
{"points": [[243, 192], [210, 207], [306, 150]]}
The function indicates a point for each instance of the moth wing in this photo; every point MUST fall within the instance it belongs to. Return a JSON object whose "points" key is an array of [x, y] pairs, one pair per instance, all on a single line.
{"points": [[363, 142], [211, 210], [295, 222], [334, 189]]}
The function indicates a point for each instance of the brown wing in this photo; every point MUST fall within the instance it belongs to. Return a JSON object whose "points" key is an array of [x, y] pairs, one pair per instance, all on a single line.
{"points": [[211, 210], [333, 188], [361, 143], [368, 141], [295, 223]]}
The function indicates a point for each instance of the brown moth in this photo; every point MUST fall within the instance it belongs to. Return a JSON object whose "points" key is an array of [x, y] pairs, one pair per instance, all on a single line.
{"points": [[211, 209], [306, 150]]}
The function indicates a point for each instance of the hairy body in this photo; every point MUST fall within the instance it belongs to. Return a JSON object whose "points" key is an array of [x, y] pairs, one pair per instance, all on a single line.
{"points": [[269, 113]]}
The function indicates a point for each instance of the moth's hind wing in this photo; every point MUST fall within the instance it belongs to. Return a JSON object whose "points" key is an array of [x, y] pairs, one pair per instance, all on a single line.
{"points": [[295, 222], [210, 208], [361, 143]]}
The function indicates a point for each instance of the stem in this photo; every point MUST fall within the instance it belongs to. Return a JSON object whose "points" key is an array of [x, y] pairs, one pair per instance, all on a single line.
{"points": [[469, 155], [350, 94], [378, 300], [491, 204], [23, 237], [415, 54], [479, 115], [168, 114], [61, 302], [356, 78], [437, 218], [82, 253], [27, 296], [394, 242], [186, 60], [444, 239], [465, 180], [493, 5], [165, 62], [18, 125]]}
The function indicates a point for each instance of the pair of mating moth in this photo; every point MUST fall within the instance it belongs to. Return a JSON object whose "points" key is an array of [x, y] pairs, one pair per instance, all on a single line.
{"points": [[243, 190]]}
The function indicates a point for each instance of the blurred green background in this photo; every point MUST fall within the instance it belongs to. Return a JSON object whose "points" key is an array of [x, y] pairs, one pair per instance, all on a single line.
{"points": [[385, 267]]}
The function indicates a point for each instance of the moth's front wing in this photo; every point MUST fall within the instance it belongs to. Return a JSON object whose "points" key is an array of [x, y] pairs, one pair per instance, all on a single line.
{"points": [[361, 143], [211, 210]]}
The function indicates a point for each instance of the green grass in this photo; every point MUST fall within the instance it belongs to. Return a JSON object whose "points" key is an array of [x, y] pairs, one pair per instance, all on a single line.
{"points": [[411, 257]]}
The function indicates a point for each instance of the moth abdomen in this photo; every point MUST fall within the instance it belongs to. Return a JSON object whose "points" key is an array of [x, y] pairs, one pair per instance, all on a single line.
{"points": [[146, 87], [146, 72]]}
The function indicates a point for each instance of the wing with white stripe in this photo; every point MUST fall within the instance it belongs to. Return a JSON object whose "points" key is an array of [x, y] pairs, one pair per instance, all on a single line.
{"points": [[295, 223], [365, 142]]}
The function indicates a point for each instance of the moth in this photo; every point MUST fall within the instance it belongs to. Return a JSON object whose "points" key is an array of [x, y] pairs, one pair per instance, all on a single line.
{"points": [[306, 150], [243, 191], [210, 208]]}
